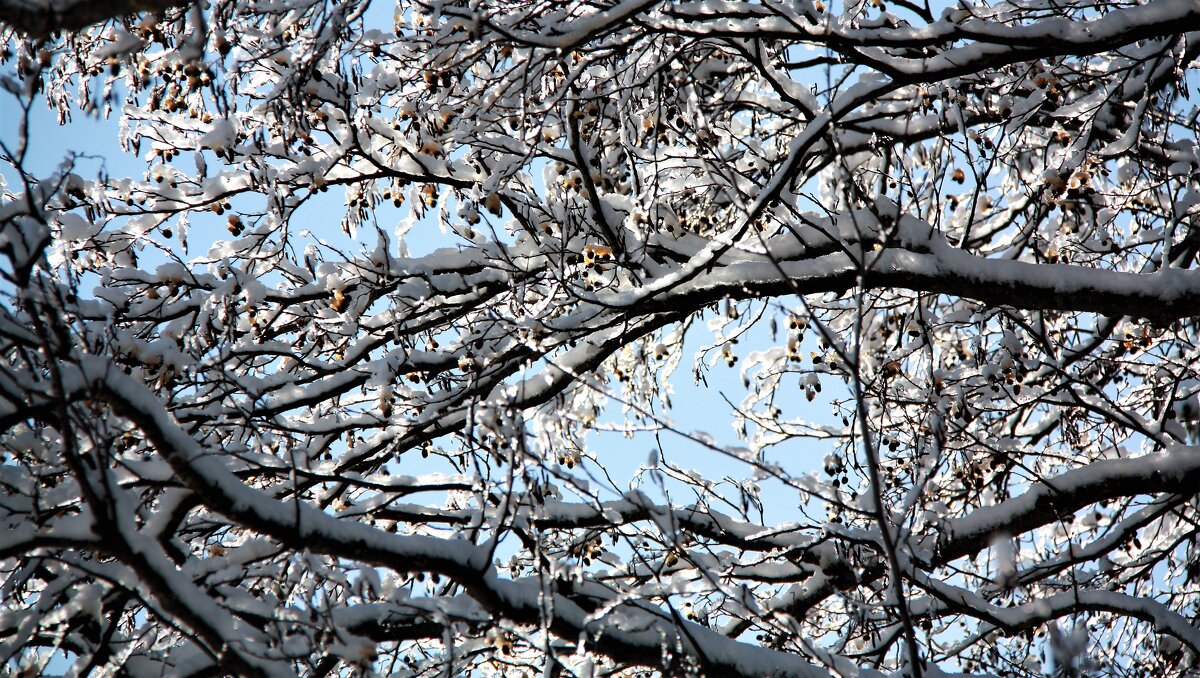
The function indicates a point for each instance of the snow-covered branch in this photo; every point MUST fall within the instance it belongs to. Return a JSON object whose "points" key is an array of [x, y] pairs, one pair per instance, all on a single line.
{"points": [[407, 340]]}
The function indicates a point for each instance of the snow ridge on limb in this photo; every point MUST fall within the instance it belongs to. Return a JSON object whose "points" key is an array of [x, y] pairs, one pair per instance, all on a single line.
{"points": [[922, 261]]}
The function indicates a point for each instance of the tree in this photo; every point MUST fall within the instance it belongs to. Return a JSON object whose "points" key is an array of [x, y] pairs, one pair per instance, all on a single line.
{"points": [[968, 236]]}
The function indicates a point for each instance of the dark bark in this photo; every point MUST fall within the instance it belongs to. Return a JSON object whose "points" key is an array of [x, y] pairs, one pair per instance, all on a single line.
{"points": [[42, 18]]}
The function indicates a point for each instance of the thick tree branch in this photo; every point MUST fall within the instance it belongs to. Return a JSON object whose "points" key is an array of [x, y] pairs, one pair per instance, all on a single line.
{"points": [[41, 18]]}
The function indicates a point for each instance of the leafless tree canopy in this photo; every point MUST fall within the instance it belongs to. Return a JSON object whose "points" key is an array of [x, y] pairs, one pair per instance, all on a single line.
{"points": [[251, 423]]}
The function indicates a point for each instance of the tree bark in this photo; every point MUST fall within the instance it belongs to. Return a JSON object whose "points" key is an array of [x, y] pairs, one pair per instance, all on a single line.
{"points": [[41, 18]]}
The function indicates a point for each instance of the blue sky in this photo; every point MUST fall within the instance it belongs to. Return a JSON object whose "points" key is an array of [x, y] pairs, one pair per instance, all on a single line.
{"points": [[697, 408]]}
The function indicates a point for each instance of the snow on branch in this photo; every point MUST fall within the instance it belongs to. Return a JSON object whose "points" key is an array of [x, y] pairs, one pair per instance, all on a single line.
{"points": [[551, 338]]}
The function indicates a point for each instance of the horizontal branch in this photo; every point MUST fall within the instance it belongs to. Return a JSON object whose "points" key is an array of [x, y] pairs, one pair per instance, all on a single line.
{"points": [[988, 43], [41, 18], [930, 264]]}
